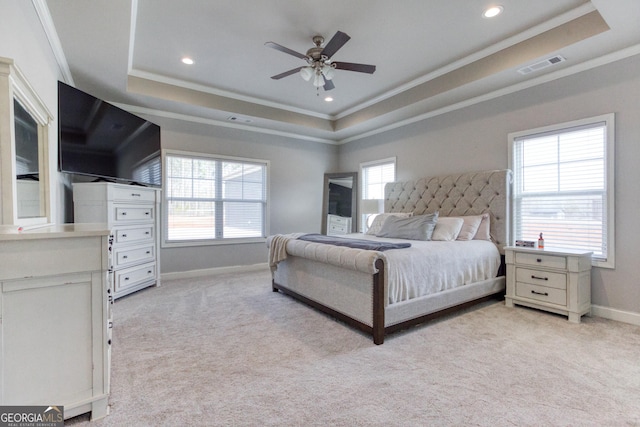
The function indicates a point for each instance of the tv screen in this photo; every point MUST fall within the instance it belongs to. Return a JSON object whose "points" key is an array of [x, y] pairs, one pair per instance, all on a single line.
{"points": [[100, 140]]}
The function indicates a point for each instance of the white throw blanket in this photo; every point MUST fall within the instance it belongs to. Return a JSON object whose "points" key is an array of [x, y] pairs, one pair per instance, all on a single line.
{"points": [[278, 247]]}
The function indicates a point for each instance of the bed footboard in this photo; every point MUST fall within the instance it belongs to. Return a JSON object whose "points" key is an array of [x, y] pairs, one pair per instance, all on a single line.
{"points": [[358, 301]]}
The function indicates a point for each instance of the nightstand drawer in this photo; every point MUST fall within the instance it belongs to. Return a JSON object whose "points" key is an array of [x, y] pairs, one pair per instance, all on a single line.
{"points": [[541, 278], [338, 220], [541, 293], [540, 260]]}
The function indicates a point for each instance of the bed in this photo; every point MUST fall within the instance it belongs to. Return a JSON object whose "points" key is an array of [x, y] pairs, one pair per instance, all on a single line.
{"points": [[378, 291]]}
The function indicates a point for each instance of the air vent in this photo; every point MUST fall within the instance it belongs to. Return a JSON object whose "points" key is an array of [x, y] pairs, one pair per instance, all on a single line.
{"points": [[542, 64], [239, 119]]}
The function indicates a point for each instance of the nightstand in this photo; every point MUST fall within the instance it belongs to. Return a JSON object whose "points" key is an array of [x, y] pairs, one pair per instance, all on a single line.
{"points": [[555, 280], [338, 225]]}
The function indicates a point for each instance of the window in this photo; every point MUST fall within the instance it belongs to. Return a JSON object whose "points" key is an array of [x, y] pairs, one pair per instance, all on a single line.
{"points": [[375, 175], [563, 186], [213, 199]]}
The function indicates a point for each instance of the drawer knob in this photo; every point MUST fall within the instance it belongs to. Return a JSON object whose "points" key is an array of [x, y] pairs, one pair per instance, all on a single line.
{"points": [[124, 235], [147, 213], [538, 260], [540, 293], [539, 278], [125, 257], [147, 233], [148, 252], [124, 213], [126, 278]]}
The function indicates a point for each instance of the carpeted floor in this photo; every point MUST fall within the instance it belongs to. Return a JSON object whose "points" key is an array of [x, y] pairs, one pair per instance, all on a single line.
{"points": [[227, 351]]}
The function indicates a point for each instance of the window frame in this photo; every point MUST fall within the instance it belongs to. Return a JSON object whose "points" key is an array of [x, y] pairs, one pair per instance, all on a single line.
{"points": [[165, 243], [609, 175], [389, 160]]}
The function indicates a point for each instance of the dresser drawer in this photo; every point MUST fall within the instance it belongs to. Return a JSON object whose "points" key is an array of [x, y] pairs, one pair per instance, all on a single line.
{"points": [[541, 260], [138, 234], [135, 195], [541, 278], [134, 276], [124, 214], [133, 254], [541, 293]]}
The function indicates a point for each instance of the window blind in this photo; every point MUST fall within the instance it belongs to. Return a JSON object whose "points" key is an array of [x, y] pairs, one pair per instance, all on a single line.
{"points": [[214, 198], [560, 188]]}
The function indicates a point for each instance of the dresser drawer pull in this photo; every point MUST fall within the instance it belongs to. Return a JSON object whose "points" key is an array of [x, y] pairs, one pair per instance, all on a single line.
{"points": [[539, 278], [124, 235], [124, 213], [540, 293], [125, 257], [538, 260]]}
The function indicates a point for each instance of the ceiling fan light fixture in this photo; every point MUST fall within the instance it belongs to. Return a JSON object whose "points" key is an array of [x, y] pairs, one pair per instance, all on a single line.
{"points": [[328, 72], [318, 80], [306, 73]]}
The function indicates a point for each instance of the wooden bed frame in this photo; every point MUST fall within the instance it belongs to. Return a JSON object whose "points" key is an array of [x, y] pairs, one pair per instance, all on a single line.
{"points": [[356, 292]]}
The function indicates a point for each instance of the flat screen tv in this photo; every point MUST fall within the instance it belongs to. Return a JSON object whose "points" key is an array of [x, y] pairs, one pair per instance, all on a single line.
{"points": [[98, 139]]}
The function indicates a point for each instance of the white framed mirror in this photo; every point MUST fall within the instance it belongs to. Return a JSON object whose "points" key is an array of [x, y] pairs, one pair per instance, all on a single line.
{"points": [[24, 152]]}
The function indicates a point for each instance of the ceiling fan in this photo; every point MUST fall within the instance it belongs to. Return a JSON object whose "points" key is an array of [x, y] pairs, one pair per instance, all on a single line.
{"points": [[320, 69]]}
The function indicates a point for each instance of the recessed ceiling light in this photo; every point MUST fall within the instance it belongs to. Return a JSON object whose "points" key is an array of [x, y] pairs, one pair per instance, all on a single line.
{"points": [[328, 99], [187, 60], [492, 11]]}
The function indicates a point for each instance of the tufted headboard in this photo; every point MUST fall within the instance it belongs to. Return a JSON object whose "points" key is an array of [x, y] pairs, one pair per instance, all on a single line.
{"points": [[456, 195]]}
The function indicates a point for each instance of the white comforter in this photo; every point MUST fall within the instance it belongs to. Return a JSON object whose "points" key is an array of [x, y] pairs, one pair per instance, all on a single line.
{"points": [[433, 266]]}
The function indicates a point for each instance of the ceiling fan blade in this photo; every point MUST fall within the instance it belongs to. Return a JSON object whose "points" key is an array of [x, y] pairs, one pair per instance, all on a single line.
{"points": [[281, 48], [328, 84], [350, 66], [286, 73], [336, 42]]}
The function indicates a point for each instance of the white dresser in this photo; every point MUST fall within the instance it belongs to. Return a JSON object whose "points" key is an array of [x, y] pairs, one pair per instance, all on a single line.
{"points": [[132, 214], [338, 225], [558, 281], [55, 318]]}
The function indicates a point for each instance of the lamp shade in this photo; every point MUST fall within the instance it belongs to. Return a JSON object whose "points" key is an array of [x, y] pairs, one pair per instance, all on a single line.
{"points": [[306, 73], [372, 206]]}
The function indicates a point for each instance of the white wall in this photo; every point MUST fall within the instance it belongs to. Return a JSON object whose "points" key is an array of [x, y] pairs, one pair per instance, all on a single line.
{"points": [[475, 138]]}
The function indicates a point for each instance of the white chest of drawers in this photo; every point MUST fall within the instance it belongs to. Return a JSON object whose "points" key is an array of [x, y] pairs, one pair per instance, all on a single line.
{"points": [[131, 213], [558, 281], [338, 225]]}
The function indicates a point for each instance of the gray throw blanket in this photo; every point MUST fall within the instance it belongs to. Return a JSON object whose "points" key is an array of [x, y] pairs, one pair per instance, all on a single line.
{"points": [[353, 243]]}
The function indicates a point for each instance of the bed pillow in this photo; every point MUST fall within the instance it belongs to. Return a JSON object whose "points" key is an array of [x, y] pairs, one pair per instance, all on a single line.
{"points": [[419, 227], [470, 227], [447, 229], [376, 225], [484, 229]]}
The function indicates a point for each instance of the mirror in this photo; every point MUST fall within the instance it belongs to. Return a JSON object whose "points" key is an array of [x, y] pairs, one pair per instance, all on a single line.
{"points": [[28, 192], [24, 154], [339, 207]]}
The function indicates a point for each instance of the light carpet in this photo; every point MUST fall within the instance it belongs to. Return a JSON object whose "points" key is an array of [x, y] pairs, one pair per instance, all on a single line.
{"points": [[227, 351]]}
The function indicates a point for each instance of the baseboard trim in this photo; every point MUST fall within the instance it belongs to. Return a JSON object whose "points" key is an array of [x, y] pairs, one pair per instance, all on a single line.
{"points": [[614, 314], [213, 271]]}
